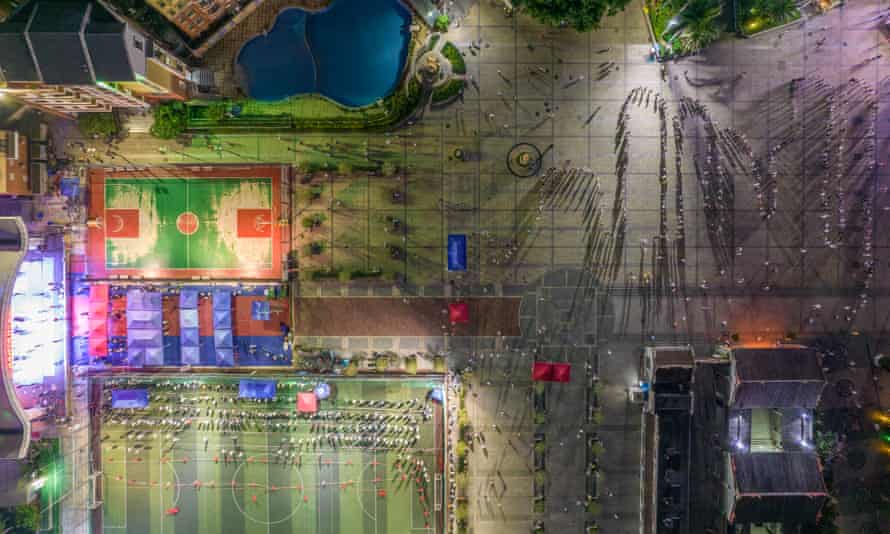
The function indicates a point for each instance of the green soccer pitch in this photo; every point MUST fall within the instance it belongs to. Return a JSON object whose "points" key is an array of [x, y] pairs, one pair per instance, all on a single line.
{"points": [[149, 487]]}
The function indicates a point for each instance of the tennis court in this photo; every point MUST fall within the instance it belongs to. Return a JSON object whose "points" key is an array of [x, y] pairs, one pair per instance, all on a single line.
{"points": [[186, 222], [343, 489]]}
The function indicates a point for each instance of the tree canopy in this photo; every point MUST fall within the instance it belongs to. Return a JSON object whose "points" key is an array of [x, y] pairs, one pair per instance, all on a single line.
{"points": [[100, 124], [582, 15], [170, 120]]}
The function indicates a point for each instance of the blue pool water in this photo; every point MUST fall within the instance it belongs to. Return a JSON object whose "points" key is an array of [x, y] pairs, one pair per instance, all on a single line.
{"points": [[352, 52]]}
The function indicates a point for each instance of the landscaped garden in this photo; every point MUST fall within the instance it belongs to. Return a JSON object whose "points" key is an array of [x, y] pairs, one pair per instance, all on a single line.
{"points": [[364, 223], [683, 27], [306, 112], [758, 15], [452, 54]]}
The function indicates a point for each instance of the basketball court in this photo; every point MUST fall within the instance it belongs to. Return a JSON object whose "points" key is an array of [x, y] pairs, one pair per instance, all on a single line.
{"points": [[186, 222]]}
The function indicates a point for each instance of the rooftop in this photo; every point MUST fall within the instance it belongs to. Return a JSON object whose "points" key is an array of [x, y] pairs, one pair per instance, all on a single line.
{"points": [[67, 42], [779, 473], [778, 365]]}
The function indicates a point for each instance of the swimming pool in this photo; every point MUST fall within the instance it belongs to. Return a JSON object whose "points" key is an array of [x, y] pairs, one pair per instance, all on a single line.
{"points": [[353, 52]]}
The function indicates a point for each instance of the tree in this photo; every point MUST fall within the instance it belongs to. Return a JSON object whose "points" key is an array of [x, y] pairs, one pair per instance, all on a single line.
{"points": [[97, 124], [171, 119], [217, 111], [582, 15], [344, 168], [442, 22], [388, 168], [23, 518], [779, 11], [699, 34], [698, 25]]}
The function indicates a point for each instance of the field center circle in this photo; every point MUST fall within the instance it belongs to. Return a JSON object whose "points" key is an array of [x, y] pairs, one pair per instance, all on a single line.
{"points": [[187, 223], [246, 514]]}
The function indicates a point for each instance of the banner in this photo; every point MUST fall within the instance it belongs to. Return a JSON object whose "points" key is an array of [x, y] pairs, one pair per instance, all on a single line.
{"points": [[457, 252], [551, 372]]}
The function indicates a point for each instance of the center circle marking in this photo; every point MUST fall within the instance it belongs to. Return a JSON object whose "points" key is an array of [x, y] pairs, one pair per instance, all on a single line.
{"points": [[187, 223]]}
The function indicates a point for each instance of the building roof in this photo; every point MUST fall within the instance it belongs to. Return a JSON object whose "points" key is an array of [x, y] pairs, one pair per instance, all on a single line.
{"points": [[65, 42], [674, 357], [15, 63], [109, 55], [777, 365], [15, 427], [778, 473], [782, 487], [777, 378]]}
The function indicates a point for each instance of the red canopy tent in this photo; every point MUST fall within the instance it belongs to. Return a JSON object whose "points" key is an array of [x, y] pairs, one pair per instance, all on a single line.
{"points": [[458, 313], [307, 402]]}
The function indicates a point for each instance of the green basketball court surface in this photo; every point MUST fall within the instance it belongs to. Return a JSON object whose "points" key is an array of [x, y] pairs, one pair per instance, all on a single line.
{"points": [[184, 223]]}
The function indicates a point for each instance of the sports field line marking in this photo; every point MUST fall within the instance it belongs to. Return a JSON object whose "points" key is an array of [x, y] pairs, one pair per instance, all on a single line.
{"points": [[161, 485], [266, 180], [376, 514], [188, 237]]}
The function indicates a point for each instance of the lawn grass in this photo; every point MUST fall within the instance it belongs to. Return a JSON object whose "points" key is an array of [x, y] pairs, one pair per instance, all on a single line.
{"points": [[358, 227], [341, 489], [447, 91], [309, 107], [303, 113], [451, 52]]}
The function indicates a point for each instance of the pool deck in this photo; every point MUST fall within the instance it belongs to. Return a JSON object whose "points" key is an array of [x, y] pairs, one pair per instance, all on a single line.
{"points": [[221, 58]]}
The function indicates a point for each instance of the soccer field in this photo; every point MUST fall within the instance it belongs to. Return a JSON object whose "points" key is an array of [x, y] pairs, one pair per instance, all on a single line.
{"points": [[180, 223], [150, 488]]}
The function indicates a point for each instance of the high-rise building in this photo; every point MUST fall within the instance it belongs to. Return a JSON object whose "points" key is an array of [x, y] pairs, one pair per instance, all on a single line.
{"points": [[75, 56]]}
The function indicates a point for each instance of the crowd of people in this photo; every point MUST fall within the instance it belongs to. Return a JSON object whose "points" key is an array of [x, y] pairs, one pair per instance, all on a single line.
{"points": [[177, 407]]}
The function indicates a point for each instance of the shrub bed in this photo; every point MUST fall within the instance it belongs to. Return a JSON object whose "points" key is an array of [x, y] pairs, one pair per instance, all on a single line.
{"points": [[452, 54]]}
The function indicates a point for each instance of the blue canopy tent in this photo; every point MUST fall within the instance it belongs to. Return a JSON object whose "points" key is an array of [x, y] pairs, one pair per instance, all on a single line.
{"points": [[145, 341], [225, 357], [222, 319], [129, 398], [189, 339], [260, 310], [257, 389], [222, 328], [188, 299], [188, 318]]}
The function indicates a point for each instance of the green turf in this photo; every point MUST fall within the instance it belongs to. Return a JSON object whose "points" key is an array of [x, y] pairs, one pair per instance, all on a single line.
{"points": [[168, 198], [323, 505]]}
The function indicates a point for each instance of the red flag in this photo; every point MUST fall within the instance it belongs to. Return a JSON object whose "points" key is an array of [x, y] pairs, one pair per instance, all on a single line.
{"points": [[122, 224], [254, 223], [562, 372], [542, 371]]}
